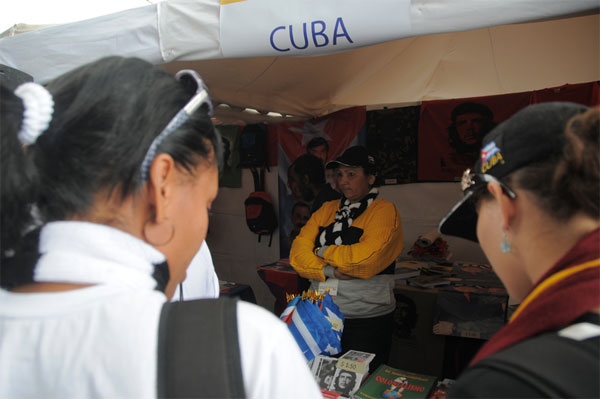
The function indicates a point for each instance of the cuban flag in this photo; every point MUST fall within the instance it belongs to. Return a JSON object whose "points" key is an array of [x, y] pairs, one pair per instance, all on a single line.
{"points": [[488, 151], [336, 318], [312, 331]]}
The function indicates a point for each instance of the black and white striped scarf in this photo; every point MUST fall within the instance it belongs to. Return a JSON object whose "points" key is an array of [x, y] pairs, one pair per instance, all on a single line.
{"points": [[332, 234]]}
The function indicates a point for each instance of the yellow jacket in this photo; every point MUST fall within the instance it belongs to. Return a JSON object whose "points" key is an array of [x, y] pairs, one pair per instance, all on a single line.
{"points": [[379, 245]]}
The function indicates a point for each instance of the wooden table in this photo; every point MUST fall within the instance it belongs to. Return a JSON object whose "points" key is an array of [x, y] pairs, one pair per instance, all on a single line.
{"points": [[282, 279]]}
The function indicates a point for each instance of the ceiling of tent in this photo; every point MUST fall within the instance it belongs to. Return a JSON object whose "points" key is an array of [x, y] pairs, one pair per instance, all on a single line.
{"points": [[488, 61], [489, 58]]}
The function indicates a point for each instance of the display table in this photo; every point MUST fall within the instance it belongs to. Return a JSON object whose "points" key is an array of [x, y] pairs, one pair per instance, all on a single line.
{"points": [[282, 279], [242, 291], [436, 330]]}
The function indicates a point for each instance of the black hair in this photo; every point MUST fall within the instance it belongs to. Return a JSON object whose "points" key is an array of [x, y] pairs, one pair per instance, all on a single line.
{"points": [[299, 204], [310, 166], [466, 108], [17, 173], [471, 107], [316, 142], [106, 114], [353, 379]]}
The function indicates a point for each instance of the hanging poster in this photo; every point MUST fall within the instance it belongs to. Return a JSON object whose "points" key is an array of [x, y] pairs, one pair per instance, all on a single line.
{"points": [[451, 132], [392, 139], [583, 93]]}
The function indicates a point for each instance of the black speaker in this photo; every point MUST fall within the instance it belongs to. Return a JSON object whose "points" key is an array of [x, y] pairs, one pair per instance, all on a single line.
{"points": [[11, 77]]}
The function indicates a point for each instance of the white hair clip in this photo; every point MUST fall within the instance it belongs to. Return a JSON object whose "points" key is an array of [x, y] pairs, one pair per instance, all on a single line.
{"points": [[39, 107]]}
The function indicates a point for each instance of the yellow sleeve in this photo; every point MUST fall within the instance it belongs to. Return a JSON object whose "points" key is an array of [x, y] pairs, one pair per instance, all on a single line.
{"points": [[380, 244], [302, 257]]}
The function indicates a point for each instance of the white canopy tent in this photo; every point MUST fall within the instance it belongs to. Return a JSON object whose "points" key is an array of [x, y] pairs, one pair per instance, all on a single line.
{"points": [[454, 49]]}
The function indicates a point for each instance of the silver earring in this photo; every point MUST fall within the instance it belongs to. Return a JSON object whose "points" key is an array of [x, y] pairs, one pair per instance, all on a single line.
{"points": [[505, 246]]}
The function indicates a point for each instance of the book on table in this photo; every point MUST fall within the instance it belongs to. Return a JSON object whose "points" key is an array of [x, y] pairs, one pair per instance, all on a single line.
{"points": [[356, 361], [391, 383], [404, 272], [440, 391], [428, 281], [341, 377], [323, 368], [406, 269]]}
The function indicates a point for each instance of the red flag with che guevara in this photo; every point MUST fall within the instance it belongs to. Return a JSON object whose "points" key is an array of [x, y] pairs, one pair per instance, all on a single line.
{"points": [[450, 131]]}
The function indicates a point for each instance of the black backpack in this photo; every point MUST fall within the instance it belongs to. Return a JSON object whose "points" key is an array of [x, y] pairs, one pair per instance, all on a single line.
{"points": [[260, 213], [548, 365], [198, 350], [253, 146]]}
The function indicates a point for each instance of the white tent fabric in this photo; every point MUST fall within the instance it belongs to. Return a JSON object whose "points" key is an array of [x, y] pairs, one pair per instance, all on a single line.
{"points": [[481, 62], [458, 48], [49, 52]]}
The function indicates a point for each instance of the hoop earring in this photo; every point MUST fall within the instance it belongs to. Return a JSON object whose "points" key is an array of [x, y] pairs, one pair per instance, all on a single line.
{"points": [[505, 246], [155, 234]]}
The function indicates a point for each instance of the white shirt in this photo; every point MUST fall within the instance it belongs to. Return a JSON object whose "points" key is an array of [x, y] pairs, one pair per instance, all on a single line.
{"points": [[101, 341], [201, 280]]}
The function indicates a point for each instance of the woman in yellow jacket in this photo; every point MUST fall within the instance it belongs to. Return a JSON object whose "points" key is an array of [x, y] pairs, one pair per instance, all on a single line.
{"points": [[349, 247]]}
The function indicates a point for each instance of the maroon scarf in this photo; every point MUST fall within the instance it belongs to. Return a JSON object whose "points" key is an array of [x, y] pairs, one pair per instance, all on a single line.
{"points": [[560, 304]]}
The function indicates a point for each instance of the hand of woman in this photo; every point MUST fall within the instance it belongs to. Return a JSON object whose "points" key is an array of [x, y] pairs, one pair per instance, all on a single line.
{"points": [[341, 276], [443, 327]]}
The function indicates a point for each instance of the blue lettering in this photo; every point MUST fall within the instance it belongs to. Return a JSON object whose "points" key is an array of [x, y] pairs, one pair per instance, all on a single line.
{"points": [[339, 23], [273, 42], [305, 37], [319, 35], [316, 33]]}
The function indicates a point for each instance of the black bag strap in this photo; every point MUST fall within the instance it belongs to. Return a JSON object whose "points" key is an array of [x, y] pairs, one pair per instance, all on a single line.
{"points": [[554, 365], [256, 178], [259, 179], [198, 350], [262, 178], [270, 238]]}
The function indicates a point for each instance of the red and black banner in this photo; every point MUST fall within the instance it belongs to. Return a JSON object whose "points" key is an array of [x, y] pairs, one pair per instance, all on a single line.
{"points": [[450, 131]]}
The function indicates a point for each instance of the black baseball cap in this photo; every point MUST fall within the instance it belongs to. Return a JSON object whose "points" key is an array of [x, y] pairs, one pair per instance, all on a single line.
{"points": [[534, 133], [354, 157]]}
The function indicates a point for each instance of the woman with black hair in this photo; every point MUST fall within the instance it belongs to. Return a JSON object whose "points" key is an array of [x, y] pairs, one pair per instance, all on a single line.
{"points": [[121, 162], [532, 201]]}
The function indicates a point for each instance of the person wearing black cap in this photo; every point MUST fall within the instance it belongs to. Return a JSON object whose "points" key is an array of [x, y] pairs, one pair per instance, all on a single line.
{"points": [[350, 246], [532, 202]]}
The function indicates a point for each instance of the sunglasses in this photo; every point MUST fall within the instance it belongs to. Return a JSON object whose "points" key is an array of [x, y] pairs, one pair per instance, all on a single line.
{"points": [[200, 98], [472, 182]]}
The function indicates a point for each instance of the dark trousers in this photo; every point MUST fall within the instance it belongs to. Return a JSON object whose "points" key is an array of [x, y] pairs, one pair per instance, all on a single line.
{"points": [[373, 335]]}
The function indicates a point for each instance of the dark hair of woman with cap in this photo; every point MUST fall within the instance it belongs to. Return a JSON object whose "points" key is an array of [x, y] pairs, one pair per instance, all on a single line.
{"points": [[350, 246], [116, 163], [532, 201]]}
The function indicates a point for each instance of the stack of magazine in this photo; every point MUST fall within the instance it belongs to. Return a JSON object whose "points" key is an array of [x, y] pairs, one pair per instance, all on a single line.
{"points": [[433, 275], [341, 377], [406, 269]]}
